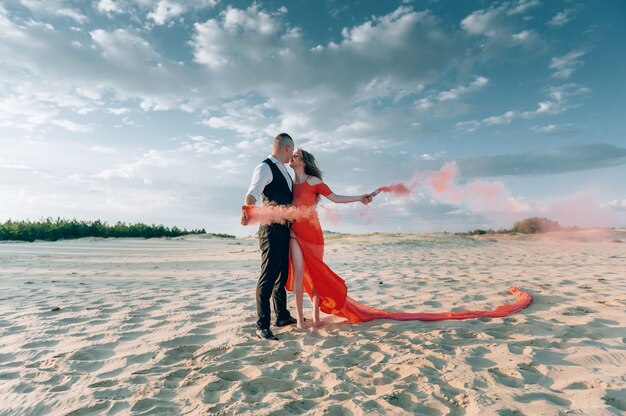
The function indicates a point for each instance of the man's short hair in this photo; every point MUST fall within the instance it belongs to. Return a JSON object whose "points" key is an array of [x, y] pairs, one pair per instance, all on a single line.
{"points": [[282, 140]]}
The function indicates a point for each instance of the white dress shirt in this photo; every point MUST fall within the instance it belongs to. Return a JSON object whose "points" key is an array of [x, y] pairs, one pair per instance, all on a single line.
{"points": [[262, 176]]}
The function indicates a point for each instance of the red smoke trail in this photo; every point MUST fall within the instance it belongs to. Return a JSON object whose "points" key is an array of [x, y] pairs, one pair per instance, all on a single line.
{"points": [[582, 209], [268, 214], [478, 196], [442, 184], [442, 180], [331, 215], [398, 188]]}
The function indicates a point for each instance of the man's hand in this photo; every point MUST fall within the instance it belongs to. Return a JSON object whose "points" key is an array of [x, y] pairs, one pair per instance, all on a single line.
{"points": [[244, 216]]}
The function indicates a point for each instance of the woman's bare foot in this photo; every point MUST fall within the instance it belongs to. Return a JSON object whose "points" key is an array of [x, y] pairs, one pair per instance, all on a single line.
{"points": [[300, 326], [317, 324]]}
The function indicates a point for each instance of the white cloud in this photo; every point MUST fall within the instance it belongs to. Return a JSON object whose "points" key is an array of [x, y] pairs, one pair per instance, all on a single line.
{"points": [[54, 8], [257, 51], [564, 66], [477, 84], [72, 14], [240, 46], [555, 129], [467, 126], [549, 128], [10, 164], [558, 102], [523, 36], [473, 125], [108, 6], [228, 166], [250, 116], [166, 10], [562, 17], [481, 22], [438, 102], [102, 149], [505, 118], [239, 36], [122, 47], [203, 145], [72, 126], [432, 156], [616, 203], [151, 158], [500, 24], [521, 6], [119, 111]]}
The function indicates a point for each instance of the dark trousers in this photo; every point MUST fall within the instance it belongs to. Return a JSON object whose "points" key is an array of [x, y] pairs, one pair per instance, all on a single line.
{"points": [[274, 244]]}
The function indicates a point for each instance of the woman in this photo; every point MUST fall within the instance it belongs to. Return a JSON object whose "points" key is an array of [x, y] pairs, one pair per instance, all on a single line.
{"points": [[327, 290], [306, 247]]}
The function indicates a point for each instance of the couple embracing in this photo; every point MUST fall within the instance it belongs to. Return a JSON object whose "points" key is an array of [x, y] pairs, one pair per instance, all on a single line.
{"points": [[292, 254]]}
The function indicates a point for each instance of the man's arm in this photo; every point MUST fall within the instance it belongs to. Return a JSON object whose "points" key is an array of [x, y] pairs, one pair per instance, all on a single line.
{"points": [[260, 178]]}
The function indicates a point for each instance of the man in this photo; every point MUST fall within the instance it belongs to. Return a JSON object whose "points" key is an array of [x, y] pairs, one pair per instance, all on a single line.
{"points": [[271, 181]]}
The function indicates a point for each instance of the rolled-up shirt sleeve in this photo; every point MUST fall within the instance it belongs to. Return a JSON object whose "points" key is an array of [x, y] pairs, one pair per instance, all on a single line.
{"points": [[261, 177]]}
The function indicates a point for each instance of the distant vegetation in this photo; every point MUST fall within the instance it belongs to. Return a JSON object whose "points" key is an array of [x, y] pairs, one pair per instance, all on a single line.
{"points": [[536, 225], [58, 229], [532, 225]]}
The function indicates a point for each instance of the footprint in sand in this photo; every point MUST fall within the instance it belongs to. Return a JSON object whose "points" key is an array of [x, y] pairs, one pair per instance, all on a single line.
{"points": [[477, 360], [504, 379], [297, 407], [150, 406], [578, 311], [616, 399], [91, 358], [533, 397], [9, 375], [91, 409], [213, 389], [259, 387]]}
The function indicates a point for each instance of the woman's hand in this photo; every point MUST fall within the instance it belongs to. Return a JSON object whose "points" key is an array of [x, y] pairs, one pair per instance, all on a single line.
{"points": [[366, 199]]}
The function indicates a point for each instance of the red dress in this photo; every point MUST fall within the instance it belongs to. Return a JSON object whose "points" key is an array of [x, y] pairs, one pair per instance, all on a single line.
{"points": [[331, 288]]}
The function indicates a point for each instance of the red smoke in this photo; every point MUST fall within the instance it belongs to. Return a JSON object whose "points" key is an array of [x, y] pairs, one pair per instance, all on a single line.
{"points": [[268, 214], [398, 188], [442, 180], [480, 195], [582, 209], [477, 196], [330, 215]]}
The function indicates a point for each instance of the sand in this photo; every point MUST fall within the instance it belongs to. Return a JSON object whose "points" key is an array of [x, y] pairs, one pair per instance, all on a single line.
{"points": [[167, 327]]}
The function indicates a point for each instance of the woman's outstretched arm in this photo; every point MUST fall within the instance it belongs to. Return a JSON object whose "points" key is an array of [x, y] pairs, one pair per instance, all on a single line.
{"points": [[344, 199], [340, 199]]}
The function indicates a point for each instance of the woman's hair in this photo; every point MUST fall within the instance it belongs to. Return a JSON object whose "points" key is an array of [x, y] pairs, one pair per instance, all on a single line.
{"points": [[310, 167]]}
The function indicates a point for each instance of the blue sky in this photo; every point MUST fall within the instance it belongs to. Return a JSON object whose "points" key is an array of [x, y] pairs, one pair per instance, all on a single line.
{"points": [[158, 111]]}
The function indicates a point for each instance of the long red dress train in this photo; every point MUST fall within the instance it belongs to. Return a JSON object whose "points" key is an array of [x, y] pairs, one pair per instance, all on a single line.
{"points": [[332, 289]]}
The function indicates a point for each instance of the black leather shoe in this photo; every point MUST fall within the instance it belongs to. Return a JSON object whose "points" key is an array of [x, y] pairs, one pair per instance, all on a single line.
{"points": [[285, 322], [266, 334]]}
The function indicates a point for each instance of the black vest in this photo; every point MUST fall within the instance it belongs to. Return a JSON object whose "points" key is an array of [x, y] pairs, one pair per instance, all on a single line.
{"points": [[278, 190]]}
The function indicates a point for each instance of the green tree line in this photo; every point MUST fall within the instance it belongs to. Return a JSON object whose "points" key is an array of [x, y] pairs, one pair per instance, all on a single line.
{"points": [[50, 229]]}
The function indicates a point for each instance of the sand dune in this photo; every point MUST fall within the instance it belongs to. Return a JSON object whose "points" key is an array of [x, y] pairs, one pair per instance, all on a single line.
{"points": [[167, 327]]}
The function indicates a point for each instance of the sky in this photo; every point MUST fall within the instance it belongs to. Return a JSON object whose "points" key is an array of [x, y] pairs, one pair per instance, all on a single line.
{"points": [[158, 111]]}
